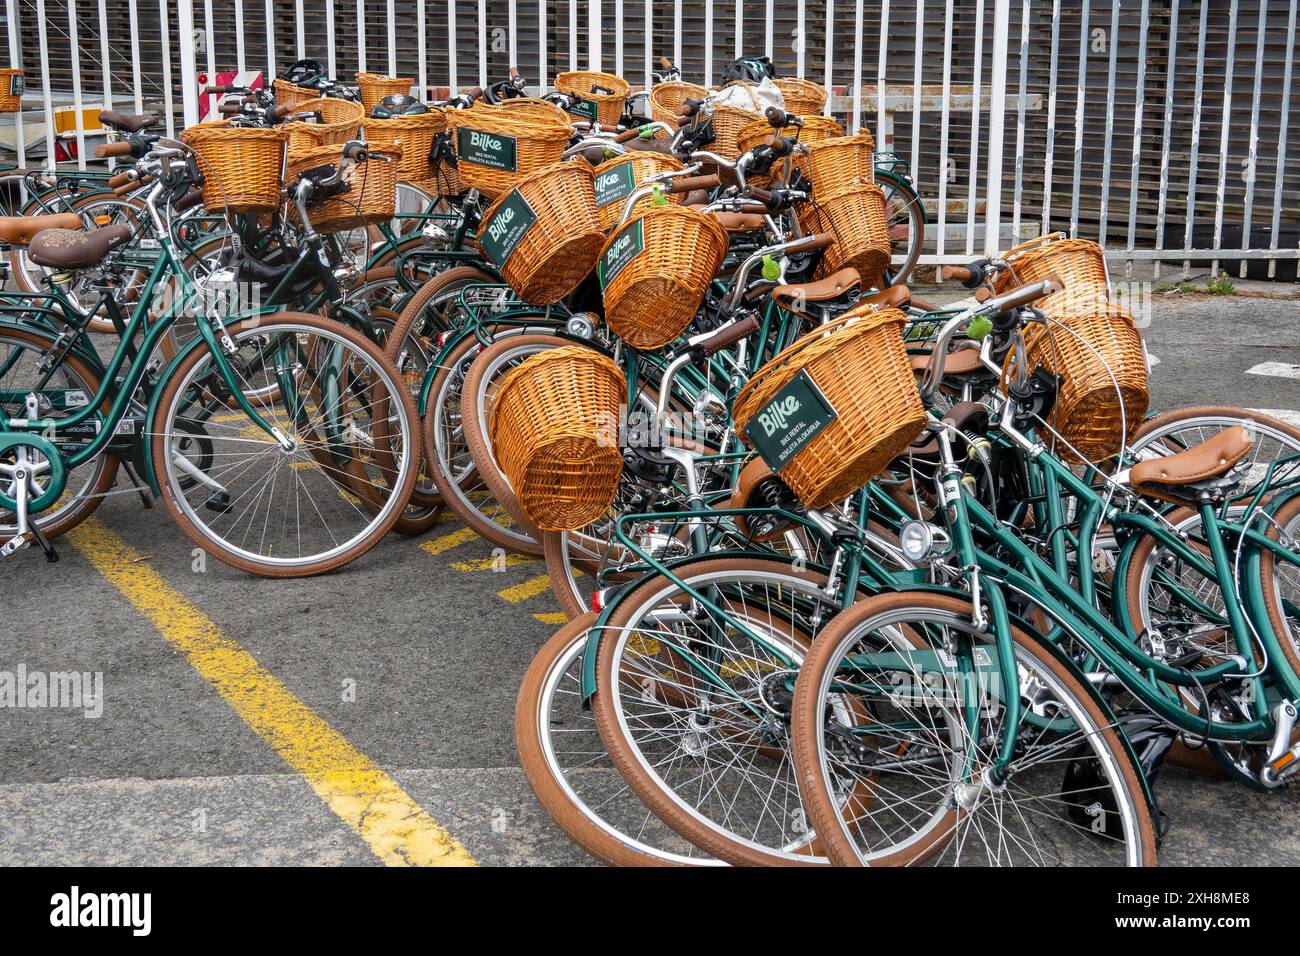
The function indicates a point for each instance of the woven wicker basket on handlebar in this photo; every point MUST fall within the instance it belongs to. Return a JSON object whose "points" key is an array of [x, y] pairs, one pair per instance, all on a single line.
{"points": [[666, 98], [242, 167], [802, 97], [336, 122], [554, 431], [414, 134], [372, 197], [522, 145], [860, 366], [814, 129], [628, 172], [858, 220], [291, 94], [373, 87], [585, 83]]}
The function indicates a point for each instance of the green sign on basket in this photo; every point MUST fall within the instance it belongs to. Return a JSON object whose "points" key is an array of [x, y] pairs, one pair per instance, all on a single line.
{"points": [[614, 184], [622, 249], [511, 220], [486, 149], [583, 108], [794, 417]]}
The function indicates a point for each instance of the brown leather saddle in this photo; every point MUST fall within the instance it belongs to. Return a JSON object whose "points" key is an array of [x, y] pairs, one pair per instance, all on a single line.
{"points": [[1200, 470], [69, 249]]}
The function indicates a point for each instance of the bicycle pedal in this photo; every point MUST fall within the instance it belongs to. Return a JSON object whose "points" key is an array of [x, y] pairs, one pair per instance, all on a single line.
{"points": [[220, 502]]}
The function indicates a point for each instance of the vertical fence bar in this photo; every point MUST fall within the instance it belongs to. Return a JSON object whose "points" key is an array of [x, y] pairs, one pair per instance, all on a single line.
{"points": [[618, 37], [740, 28], [1079, 103], [542, 71], [1137, 130], [940, 237], [997, 116], [46, 102], [800, 51], [973, 161], [165, 28], [512, 30], [421, 58], [1252, 156], [270, 41], [299, 29], [884, 129], [830, 61], [1110, 123], [1281, 137], [918, 74], [1162, 204], [16, 60], [239, 34], [483, 44], [74, 48], [331, 55], [392, 39], [1194, 157], [1018, 196], [104, 56], [708, 41], [857, 66], [594, 34], [452, 77], [1050, 149], [1222, 188], [361, 34], [573, 34], [211, 49], [189, 64], [648, 39], [677, 33], [767, 32], [137, 79]]}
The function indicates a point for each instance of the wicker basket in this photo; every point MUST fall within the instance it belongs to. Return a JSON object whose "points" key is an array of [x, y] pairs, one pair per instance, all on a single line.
{"points": [[339, 122], [495, 149], [802, 97], [372, 198], [617, 179], [373, 87], [414, 135], [815, 129], [727, 122], [1089, 412], [666, 98], [291, 94], [1079, 264], [838, 164], [242, 167], [609, 106], [860, 368], [655, 270], [554, 430], [857, 219], [544, 234], [12, 85], [530, 107]]}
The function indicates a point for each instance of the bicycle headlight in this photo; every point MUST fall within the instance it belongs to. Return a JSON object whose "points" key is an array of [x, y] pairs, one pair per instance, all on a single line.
{"points": [[916, 538]]}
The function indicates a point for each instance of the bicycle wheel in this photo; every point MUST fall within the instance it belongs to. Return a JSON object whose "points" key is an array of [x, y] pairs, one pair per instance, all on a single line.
{"points": [[565, 762], [272, 510], [905, 217], [694, 710], [915, 784], [1281, 581], [67, 390]]}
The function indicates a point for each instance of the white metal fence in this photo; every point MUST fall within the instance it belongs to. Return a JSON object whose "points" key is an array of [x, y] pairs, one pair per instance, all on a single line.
{"points": [[1158, 126]]}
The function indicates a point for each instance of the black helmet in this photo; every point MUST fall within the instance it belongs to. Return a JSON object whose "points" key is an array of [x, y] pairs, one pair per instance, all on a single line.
{"points": [[751, 68], [399, 104], [305, 73]]}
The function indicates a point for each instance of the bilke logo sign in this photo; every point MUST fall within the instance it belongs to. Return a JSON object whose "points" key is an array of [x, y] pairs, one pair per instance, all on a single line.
{"points": [[484, 141], [500, 223], [73, 909], [776, 416]]}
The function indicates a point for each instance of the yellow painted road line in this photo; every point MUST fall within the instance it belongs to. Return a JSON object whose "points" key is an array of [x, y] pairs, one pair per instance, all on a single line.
{"points": [[448, 541], [530, 588], [493, 563], [553, 617], [394, 826]]}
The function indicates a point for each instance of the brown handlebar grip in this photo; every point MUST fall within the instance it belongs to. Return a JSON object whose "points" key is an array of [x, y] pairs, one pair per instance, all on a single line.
{"points": [[779, 145], [762, 195], [108, 150], [691, 183], [282, 111], [955, 273], [730, 335], [228, 108], [476, 93], [121, 179], [809, 243], [217, 90], [685, 110], [628, 134], [753, 208], [191, 199], [683, 120], [130, 187], [666, 63], [514, 72]]}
